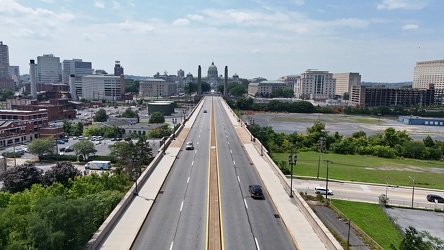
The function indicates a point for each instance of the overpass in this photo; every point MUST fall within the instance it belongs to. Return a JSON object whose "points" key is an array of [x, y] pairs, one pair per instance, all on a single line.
{"points": [[160, 219]]}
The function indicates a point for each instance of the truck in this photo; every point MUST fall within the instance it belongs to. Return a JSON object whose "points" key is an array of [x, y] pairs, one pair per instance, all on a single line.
{"points": [[99, 165]]}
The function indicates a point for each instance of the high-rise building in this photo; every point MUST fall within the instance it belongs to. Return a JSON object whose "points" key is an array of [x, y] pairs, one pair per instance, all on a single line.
{"points": [[316, 85], [49, 69], [5, 78], [429, 72], [75, 67], [14, 71], [102, 87], [118, 69], [345, 82]]}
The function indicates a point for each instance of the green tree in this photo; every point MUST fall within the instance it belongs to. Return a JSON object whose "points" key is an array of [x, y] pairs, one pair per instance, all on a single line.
{"points": [[84, 148], [428, 141], [129, 113], [67, 127], [157, 117], [190, 88], [42, 146], [238, 90], [206, 87], [101, 116], [78, 129], [20, 177], [416, 240], [5, 94], [93, 131]]}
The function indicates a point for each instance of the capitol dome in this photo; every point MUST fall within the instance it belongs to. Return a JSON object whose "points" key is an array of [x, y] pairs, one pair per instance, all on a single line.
{"points": [[212, 71]]}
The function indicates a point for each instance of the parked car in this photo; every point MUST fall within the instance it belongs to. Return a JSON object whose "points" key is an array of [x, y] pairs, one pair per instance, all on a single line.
{"points": [[435, 198], [127, 139], [189, 146], [320, 190], [118, 139], [113, 139], [256, 191], [60, 142], [205, 110], [66, 139], [62, 149], [68, 149]]}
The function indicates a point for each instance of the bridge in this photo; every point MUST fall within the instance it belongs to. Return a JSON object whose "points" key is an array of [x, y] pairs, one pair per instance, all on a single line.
{"points": [[199, 199]]}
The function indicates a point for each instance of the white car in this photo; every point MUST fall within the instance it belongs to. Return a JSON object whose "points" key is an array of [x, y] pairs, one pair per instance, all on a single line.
{"points": [[320, 190]]}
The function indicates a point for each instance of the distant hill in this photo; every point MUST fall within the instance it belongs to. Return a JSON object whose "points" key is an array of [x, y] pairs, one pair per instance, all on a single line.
{"points": [[388, 84]]}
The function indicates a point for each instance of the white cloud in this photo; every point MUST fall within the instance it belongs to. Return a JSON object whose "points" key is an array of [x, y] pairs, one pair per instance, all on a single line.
{"points": [[131, 4], [410, 27], [181, 22], [401, 4], [195, 17], [99, 4], [116, 5], [47, 1], [138, 27]]}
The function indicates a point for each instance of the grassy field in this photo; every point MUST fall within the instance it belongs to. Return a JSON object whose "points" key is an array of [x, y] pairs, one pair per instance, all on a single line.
{"points": [[372, 220], [428, 174]]}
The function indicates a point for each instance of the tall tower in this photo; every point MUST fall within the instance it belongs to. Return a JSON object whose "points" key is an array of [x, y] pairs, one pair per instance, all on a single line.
{"points": [[226, 81], [4, 61], [32, 75], [75, 67], [199, 81]]}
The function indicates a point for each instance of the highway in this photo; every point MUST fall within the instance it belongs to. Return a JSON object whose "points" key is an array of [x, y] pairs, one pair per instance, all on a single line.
{"points": [[179, 216]]}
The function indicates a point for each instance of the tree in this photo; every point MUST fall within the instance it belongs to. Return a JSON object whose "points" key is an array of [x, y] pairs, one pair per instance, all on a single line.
{"points": [[78, 129], [93, 130], [419, 240], [5, 94], [190, 88], [206, 87], [129, 113], [42, 146], [346, 96], [67, 127], [157, 117], [237, 90], [84, 148], [101, 116], [62, 172], [21, 177]]}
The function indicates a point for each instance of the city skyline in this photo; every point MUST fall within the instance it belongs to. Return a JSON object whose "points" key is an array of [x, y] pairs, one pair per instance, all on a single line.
{"points": [[380, 39]]}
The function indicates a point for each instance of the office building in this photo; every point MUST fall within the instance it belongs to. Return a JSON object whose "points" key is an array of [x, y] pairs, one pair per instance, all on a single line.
{"points": [[153, 87], [75, 67], [429, 72], [290, 80], [6, 81], [14, 72], [345, 81], [102, 87], [315, 85], [49, 69], [118, 69], [264, 88]]}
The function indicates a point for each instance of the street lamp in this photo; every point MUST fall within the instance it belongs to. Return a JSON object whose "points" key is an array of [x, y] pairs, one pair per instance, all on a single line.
{"points": [[413, 188], [326, 180], [321, 147], [135, 157], [292, 161], [184, 111], [174, 128], [386, 186]]}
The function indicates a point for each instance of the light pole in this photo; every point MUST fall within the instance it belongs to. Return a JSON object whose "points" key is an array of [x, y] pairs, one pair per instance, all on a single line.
{"points": [[326, 180], [292, 160], [321, 147], [135, 157], [413, 188], [184, 111], [174, 128], [386, 186]]}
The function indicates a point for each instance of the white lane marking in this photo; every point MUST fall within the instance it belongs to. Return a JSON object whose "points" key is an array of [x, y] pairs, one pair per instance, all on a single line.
{"points": [[181, 205], [365, 188], [257, 244], [234, 163], [228, 143], [238, 179], [192, 163], [188, 180], [231, 151], [245, 203], [172, 243]]}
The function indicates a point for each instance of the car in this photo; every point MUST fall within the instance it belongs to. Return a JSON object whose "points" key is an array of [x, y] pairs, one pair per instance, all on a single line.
{"points": [[118, 139], [65, 139], [205, 110], [127, 139], [98, 142], [435, 198], [256, 191], [189, 146], [80, 137], [320, 190], [68, 149], [62, 149], [113, 139], [60, 142], [75, 138]]}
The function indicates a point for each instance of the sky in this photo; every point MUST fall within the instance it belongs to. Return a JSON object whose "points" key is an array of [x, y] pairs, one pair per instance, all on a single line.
{"points": [[380, 39]]}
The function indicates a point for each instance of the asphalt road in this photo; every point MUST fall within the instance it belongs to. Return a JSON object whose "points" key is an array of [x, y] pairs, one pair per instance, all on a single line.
{"points": [[178, 217]]}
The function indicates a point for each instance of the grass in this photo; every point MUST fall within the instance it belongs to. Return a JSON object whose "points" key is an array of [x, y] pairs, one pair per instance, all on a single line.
{"points": [[370, 169], [372, 220]]}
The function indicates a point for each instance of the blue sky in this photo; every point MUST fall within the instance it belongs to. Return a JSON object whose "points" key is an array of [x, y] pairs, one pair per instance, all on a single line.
{"points": [[380, 39]]}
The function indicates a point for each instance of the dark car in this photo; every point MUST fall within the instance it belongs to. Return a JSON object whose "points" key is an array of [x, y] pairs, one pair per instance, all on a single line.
{"points": [[127, 139], [118, 139], [256, 191], [69, 150], [62, 149], [435, 198], [205, 111]]}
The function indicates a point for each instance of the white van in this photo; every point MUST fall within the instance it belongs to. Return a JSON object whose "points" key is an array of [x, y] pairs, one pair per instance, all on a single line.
{"points": [[320, 190]]}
